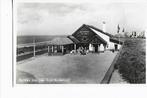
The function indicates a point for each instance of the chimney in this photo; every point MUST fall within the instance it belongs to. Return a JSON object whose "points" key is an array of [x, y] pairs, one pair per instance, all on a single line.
{"points": [[104, 26]]}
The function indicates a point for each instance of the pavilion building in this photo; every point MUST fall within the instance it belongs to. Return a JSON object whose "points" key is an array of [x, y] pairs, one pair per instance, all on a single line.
{"points": [[88, 37]]}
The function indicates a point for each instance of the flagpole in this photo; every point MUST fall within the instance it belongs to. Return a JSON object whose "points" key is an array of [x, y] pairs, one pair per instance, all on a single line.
{"points": [[118, 40], [118, 35]]}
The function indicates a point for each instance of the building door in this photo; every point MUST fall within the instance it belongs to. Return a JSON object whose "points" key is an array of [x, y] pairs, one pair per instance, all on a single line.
{"points": [[96, 47], [116, 47]]}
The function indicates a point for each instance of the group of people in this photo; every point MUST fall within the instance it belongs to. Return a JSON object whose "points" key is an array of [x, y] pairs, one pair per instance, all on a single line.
{"points": [[80, 50]]}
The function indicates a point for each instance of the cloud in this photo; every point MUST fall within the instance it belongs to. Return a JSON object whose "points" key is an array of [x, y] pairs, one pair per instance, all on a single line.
{"points": [[65, 18], [27, 15]]}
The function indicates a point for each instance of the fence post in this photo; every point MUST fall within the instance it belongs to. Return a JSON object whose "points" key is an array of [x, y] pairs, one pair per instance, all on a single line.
{"points": [[48, 49], [34, 47]]}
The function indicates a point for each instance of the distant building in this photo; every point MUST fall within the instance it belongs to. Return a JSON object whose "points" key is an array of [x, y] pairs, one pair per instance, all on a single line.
{"points": [[135, 34]]}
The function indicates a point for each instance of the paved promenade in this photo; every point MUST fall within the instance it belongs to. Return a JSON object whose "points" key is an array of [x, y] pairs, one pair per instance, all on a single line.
{"points": [[89, 68]]}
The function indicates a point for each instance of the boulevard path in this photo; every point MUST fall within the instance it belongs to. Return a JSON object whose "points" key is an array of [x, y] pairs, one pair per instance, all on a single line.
{"points": [[89, 68]]}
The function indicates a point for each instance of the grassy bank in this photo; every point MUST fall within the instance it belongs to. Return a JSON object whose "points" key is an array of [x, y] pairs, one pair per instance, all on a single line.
{"points": [[131, 62]]}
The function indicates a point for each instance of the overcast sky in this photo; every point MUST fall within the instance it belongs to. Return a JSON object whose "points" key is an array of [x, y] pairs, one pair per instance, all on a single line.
{"points": [[65, 18]]}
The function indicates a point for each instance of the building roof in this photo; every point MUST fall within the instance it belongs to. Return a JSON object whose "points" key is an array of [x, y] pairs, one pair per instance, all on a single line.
{"points": [[92, 29], [121, 34], [97, 29], [73, 39], [61, 41], [116, 40], [101, 39]]}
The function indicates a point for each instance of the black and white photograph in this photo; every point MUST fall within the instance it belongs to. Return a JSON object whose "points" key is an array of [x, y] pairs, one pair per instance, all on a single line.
{"points": [[80, 43], [73, 48]]}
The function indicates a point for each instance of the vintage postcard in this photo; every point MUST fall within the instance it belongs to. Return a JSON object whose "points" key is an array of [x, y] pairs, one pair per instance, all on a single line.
{"points": [[73, 48], [79, 43]]}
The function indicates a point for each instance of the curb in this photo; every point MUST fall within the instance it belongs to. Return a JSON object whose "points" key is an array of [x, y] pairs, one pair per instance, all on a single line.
{"points": [[108, 74]]}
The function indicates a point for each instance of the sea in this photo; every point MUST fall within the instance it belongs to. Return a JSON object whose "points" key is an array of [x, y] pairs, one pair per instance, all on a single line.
{"points": [[38, 38]]}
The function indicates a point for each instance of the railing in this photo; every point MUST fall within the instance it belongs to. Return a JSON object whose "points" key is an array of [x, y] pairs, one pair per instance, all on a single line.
{"points": [[25, 51]]}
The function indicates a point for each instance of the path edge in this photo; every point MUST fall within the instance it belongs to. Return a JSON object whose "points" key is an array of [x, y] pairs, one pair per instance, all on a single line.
{"points": [[110, 71]]}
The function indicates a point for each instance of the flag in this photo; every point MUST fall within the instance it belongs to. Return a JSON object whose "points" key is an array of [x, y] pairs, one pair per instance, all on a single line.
{"points": [[123, 30], [118, 28]]}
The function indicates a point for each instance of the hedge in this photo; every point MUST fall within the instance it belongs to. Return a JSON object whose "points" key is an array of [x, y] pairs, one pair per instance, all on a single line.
{"points": [[131, 62]]}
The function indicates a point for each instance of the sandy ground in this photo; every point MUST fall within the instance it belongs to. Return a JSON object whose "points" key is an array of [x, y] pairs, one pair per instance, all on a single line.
{"points": [[117, 78], [89, 68]]}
